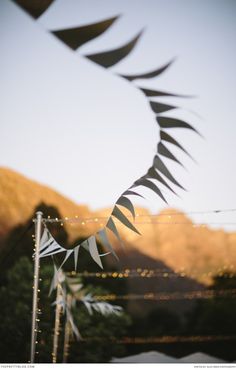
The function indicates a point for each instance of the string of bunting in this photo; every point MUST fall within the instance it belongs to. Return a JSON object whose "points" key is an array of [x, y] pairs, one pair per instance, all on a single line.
{"points": [[49, 247], [158, 173]]}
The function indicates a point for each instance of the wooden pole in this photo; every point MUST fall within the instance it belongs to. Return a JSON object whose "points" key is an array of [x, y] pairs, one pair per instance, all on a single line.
{"points": [[67, 332], [57, 324]]}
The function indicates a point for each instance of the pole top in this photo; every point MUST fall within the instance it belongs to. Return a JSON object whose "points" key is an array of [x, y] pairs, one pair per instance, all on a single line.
{"points": [[39, 213]]}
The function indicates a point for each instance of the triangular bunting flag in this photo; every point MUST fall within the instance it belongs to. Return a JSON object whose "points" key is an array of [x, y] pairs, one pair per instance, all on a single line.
{"points": [[93, 250], [104, 239], [68, 253], [76, 252], [111, 225], [48, 245]]}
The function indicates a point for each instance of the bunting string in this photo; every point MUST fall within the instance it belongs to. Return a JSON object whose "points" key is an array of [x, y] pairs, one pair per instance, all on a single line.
{"points": [[49, 247]]}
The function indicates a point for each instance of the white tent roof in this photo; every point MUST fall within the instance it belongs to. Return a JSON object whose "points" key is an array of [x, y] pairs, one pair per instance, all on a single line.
{"points": [[200, 357], [157, 357], [147, 357]]}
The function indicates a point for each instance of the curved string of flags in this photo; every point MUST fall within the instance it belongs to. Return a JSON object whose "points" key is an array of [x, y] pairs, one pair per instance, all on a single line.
{"points": [[49, 247], [158, 173]]}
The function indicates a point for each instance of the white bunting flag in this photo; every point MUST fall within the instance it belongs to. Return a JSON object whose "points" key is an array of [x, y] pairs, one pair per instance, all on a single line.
{"points": [[48, 245]]}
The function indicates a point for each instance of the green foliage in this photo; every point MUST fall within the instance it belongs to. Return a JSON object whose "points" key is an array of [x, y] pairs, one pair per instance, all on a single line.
{"points": [[216, 315], [158, 322], [15, 311], [16, 308], [224, 281], [15, 329], [162, 321]]}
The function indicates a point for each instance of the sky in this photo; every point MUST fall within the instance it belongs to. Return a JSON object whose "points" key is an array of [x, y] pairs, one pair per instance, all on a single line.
{"points": [[89, 134]]}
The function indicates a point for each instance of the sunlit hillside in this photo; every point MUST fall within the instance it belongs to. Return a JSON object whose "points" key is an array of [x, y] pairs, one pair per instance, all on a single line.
{"points": [[19, 196]]}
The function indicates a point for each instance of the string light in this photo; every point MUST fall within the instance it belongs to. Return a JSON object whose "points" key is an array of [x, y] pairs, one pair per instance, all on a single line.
{"points": [[153, 222], [227, 271], [169, 215], [165, 339], [167, 296], [148, 222]]}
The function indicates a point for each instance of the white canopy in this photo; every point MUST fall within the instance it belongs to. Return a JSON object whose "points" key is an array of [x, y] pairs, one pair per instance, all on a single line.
{"points": [[147, 357], [200, 357], [157, 357]]}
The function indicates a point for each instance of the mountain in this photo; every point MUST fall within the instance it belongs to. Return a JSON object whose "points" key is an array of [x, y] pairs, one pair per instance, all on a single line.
{"points": [[19, 196], [194, 251]]}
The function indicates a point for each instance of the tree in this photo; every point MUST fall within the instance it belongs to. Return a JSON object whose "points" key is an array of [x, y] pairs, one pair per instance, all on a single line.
{"points": [[216, 316]]}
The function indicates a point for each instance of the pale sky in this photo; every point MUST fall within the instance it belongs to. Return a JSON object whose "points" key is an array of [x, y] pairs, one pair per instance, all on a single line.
{"points": [[89, 134]]}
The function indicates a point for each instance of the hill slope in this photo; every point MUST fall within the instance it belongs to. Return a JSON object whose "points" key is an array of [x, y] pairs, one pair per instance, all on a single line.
{"points": [[199, 252], [19, 196]]}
